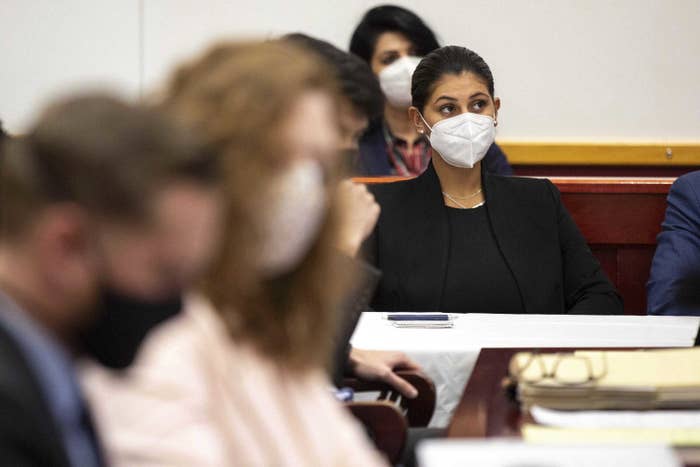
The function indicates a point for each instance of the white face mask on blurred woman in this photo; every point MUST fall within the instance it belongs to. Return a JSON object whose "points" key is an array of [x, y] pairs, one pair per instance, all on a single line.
{"points": [[295, 207], [463, 140], [395, 81]]}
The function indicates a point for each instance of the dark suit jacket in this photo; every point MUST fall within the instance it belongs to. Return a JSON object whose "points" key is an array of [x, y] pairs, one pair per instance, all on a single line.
{"points": [[551, 263], [373, 160], [356, 302], [28, 435], [674, 285]]}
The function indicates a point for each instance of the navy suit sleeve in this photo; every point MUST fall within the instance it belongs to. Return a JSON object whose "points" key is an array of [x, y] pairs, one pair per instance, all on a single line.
{"points": [[496, 161], [674, 283], [372, 159], [587, 290]]}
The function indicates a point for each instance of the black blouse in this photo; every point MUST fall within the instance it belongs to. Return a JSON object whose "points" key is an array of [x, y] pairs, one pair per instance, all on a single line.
{"points": [[478, 279], [530, 235]]}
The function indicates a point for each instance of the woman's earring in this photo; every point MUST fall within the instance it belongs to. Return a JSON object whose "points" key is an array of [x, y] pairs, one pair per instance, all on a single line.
{"points": [[420, 130]]}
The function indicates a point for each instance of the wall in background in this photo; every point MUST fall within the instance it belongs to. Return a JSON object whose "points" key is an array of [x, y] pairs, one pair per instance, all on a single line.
{"points": [[566, 70], [51, 47]]}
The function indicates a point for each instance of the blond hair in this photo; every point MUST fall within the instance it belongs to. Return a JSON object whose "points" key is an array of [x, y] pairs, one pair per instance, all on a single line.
{"points": [[238, 97]]}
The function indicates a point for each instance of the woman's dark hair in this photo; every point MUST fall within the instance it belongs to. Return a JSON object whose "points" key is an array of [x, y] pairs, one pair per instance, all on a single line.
{"points": [[391, 18], [452, 60], [357, 82], [3, 136]]}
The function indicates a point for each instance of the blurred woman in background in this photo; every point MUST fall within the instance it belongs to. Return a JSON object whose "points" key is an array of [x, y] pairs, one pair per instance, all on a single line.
{"points": [[393, 40], [239, 378]]}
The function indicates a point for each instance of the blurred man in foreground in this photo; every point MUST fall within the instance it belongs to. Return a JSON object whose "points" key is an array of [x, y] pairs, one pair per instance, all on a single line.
{"points": [[102, 203]]}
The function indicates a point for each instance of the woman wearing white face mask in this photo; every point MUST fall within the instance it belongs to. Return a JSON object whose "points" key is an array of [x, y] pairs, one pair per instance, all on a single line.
{"points": [[239, 378], [392, 40], [458, 239]]}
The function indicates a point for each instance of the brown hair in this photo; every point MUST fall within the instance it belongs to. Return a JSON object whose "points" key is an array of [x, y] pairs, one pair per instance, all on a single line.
{"points": [[101, 153], [239, 97]]}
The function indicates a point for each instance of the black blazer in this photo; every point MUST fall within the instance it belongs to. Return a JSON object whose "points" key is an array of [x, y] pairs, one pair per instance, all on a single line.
{"points": [[28, 434], [551, 263], [356, 301]]}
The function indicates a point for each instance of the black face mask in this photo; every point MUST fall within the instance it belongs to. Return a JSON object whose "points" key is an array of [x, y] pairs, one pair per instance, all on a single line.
{"points": [[121, 325]]}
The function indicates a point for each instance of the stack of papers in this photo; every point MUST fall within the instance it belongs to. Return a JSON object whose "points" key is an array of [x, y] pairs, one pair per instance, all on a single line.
{"points": [[587, 380], [674, 427], [458, 453], [681, 437], [654, 419]]}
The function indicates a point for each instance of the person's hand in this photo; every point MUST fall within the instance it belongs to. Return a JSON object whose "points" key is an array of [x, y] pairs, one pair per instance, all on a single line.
{"points": [[359, 213], [377, 365]]}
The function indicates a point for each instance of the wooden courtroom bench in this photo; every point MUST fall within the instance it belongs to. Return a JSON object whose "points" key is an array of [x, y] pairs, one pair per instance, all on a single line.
{"points": [[620, 218]]}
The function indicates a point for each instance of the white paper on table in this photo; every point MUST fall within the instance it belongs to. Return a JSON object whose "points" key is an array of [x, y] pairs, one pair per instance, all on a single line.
{"points": [[448, 355], [500, 331], [616, 418], [458, 453]]}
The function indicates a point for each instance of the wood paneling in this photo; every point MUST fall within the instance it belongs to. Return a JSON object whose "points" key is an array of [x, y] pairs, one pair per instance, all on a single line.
{"points": [[586, 170], [603, 154], [603, 159], [375, 180], [620, 219]]}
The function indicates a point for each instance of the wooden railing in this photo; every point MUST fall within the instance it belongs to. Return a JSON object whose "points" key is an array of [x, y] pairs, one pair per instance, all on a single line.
{"points": [[620, 219], [670, 159]]}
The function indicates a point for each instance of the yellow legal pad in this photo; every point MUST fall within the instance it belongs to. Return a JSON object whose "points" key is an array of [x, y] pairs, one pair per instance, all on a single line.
{"points": [[585, 380]]}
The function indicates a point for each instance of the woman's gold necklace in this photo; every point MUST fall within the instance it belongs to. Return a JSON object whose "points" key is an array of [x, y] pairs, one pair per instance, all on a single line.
{"points": [[452, 198]]}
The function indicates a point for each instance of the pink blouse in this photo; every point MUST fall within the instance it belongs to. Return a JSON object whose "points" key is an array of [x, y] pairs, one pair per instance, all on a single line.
{"points": [[195, 397]]}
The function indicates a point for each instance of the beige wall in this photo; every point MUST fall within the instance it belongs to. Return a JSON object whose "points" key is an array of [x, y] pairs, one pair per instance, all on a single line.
{"points": [[566, 70]]}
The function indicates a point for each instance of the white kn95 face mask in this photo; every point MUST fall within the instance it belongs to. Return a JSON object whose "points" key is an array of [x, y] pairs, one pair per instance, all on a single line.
{"points": [[462, 140], [296, 209], [395, 81]]}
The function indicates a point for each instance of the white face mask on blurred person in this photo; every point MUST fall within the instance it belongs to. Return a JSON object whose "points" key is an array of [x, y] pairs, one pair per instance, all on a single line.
{"points": [[395, 81], [463, 140], [295, 208]]}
